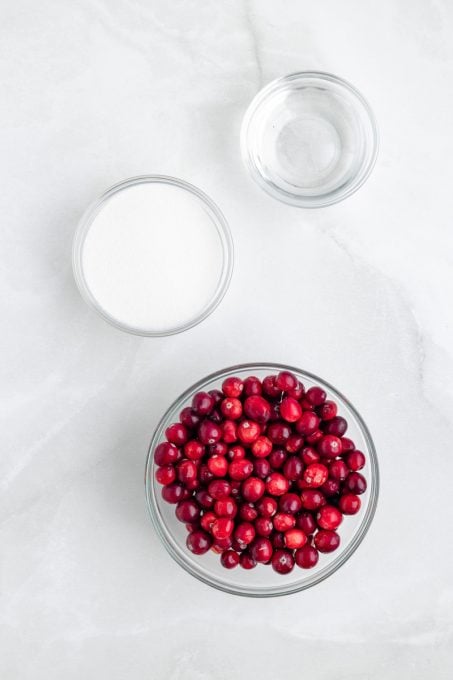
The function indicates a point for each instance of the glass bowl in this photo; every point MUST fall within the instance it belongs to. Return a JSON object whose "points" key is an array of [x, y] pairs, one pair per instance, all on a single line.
{"points": [[261, 581], [309, 139], [158, 202]]}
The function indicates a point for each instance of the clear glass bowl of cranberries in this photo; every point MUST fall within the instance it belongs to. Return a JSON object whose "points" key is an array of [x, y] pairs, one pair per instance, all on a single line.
{"points": [[261, 480]]}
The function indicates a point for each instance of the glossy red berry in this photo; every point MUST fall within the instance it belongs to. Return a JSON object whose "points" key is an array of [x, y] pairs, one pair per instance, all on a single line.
{"points": [[315, 475], [306, 522], [355, 460], [166, 453], [263, 526], [283, 521], [355, 483], [329, 517], [232, 387], [330, 446], [328, 410], [187, 511], [262, 447], [337, 426], [261, 550], [202, 403], [187, 471], [266, 506], [222, 528], [261, 467], [270, 388], [297, 392], [330, 487], [229, 431], [277, 457], [295, 538], [293, 468], [315, 395], [236, 452], [326, 541], [290, 503], [165, 475], [248, 431], [252, 386], [209, 432], [282, 561], [244, 533], [199, 542], [338, 470], [286, 381], [290, 410], [306, 557], [240, 469], [279, 433], [312, 499], [277, 484], [177, 434], [194, 450], [309, 455], [225, 507], [219, 488], [349, 504], [231, 408], [248, 512], [207, 520], [189, 418], [218, 466], [229, 559], [307, 423], [294, 443], [246, 561], [252, 489], [257, 408], [204, 499], [347, 445]]}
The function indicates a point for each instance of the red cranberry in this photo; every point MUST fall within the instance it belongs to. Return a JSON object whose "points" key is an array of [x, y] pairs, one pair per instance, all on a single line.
{"points": [[283, 521], [187, 511], [202, 403], [347, 445], [252, 386], [165, 475], [231, 407], [187, 471], [270, 388], [248, 431], [222, 544], [337, 426], [229, 559], [312, 499], [226, 507], [279, 433], [218, 466], [204, 499], [240, 469], [229, 431], [198, 542], [309, 455], [297, 392], [236, 452], [314, 437], [349, 504], [307, 423], [278, 539], [326, 541], [177, 434], [217, 395], [293, 468], [355, 460], [189, 418], [209, 432], [166, 453], [294, 539], [218, 449], [355, 483], [194, 450], [222, 528], [290, 410], [263, 526], [306, 557], [232, 387], [266, 506], [219, 488], [315, 474], [252, 489], [294, 443], [261, 550], [207, 520], [290, 503], [277, 484], [328, 410], [261, 468], [315, 395], [338, 470], [236, 488], [286, 381], [277, 457], [257, 408], [244, 533], [246, 561], [204, 475], [282, 562], [330, 487], [306, 522], [330, 446], [306, 405], [248, 512], [262, 447], [329, 517], [216, 416]]}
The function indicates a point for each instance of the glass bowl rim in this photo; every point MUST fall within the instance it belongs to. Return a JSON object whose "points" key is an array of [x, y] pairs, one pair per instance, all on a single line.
{"points": [[316, 201], [218, 220], [273, 591]]}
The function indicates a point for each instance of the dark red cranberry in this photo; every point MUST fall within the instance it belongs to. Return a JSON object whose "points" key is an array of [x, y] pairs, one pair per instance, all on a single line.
{"points": [[306, 405], [294, 443], [248, 512], [337, 426], [279, 433], [355, 483], [261, 468], [293, 468], [252, 489], [307, 423], [261, 550], [262, 447], [246, 561], [232, 387], [222, 544], [248, 431], [347, 445], [217, 395], [257, 408], [290, 503], [295, 538], [219, 488], [218, 449], [252, 386], [286, 381], [199, 542], [222, 528], [309, 455], [329, 517], [263, 526], [189, 418], [338, 470], [166, 454], [270, 388], [266, 506], [202, 403], [177, 434], [165, 475], [330, 446], [306, 522], [283, 521], [277, 484], [216, 416], [355, 460], [204, 475], [297, 392], [282, 561], [245, 533], [315, 395], [187, 471], [194, 450], [277, 457], [327, 411], [209, 432], [330, 487], [315, 437], [349, 504], [186, 493], [229, 559], [240, 469], [225, 507], [218, 466], [231, 408], [278, 539], [229, 431], [236, 452], [312, 499], [326, 541], [315, 475], [306, 557], [204, 499], [290, 410], [187, 511]]}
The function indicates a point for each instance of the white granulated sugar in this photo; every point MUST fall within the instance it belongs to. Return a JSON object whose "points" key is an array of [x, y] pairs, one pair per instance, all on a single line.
{"points": [[152, 257]]}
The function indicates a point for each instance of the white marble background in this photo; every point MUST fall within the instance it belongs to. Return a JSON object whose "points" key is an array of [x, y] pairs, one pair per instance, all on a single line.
{"points": [[94, 91]]}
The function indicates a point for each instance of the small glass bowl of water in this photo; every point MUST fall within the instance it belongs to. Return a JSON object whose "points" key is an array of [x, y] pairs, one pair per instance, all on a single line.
{"points": [[309, 139]]}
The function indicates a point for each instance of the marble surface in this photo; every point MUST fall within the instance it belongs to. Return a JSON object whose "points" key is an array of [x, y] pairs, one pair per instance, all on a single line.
{"points": [[360, 293]]}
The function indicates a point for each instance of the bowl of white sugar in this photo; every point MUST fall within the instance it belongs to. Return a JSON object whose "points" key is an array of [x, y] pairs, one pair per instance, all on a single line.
{"points": [[153, 255]]}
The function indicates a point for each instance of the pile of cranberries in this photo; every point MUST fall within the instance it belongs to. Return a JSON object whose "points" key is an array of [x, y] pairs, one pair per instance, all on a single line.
{"points": [[261, 472]]}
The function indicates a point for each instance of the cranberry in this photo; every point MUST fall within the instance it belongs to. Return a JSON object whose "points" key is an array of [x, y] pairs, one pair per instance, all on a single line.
{"points": [[349, 504], [229, 431], [204, 499], [283, 521], [330, 487], [355, 460], [252, 386], [236, 452], [189, 418], [297, 392], [218, 466], [266, 506], [194, 450], [165, 475], [328, 410], [202, 403], [187, 511], [218, 449], [248, 431], [216, 416], [217, 395], [290, 503], [275, 412], [231, 407], [177, 434], [306, 557], [232, 387], [326, 541], [225, 507], [277, 457], [295, 538], [337, 426], [229, 559], [252, 489], [307, 423], [330, 446], [290, 410], [279, 433], [246, 561], [347, 445], [270, 388], [235, 488], [262, 447], [294, 443], [282, 561], [198, 542], [248, 512], [261, 468], [338, 470], [257, 408], [209, 432], [309, 455], [222, 544], [306, 522], [219, 488], [166, 453], [314, 437], [244, 533], [278, 539], [306, 405], [315, 474], [261, 550], [329, 517], [277, 484], [286, 381], [222, 528], [315, 395], [312, 499], [355, 483], [263, 526], [293, 468], [187, 471], [204, 475], [240, 469]]}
